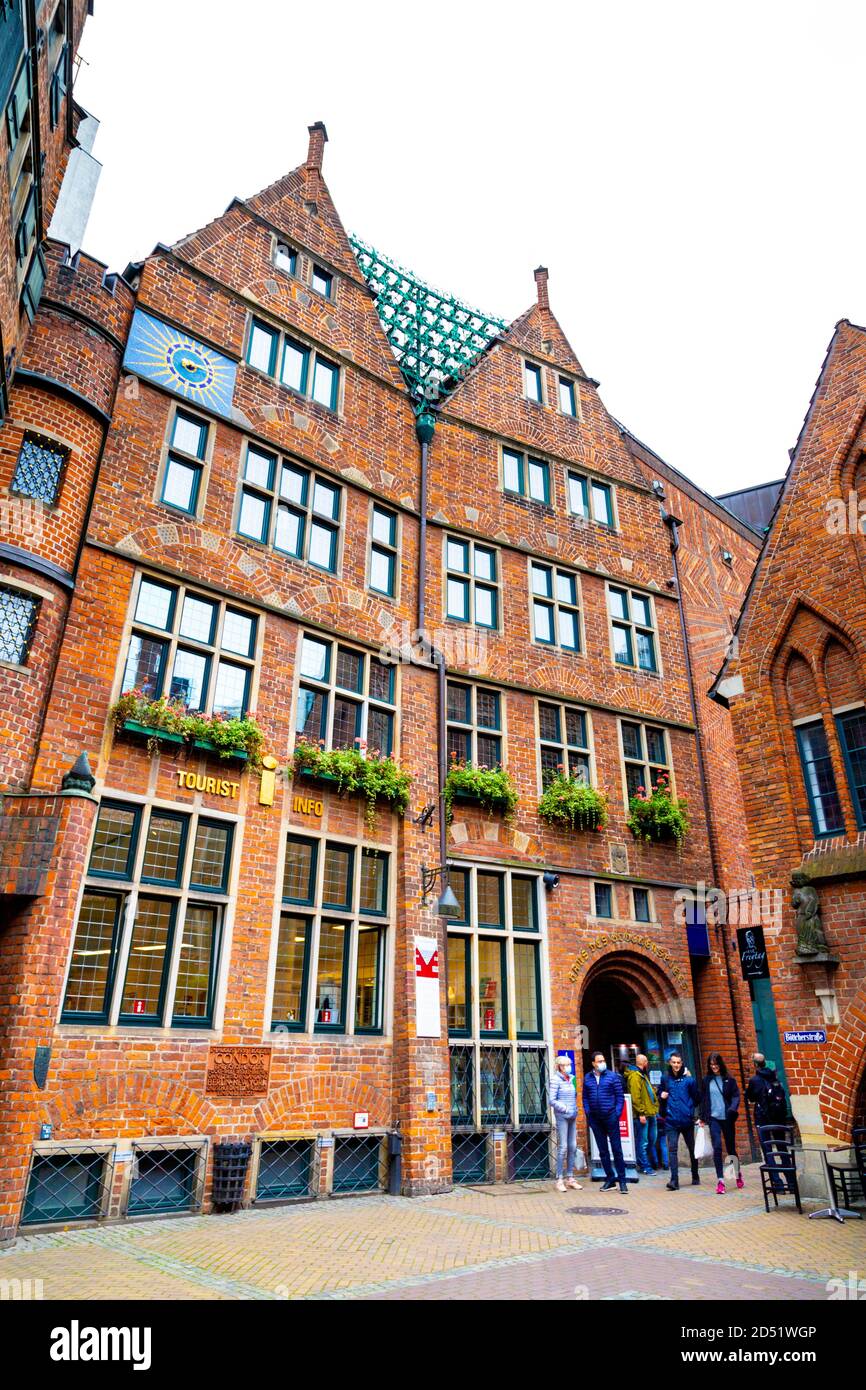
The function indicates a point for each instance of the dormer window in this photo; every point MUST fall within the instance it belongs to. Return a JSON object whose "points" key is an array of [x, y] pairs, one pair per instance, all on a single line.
{"points": [[285, 259]]}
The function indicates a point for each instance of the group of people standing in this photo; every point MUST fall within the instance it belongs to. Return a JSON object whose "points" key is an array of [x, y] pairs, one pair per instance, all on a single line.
{"points": [[662, 1113]]}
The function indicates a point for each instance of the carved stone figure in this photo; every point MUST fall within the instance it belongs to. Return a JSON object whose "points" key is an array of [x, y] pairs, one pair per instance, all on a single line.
{"points": [[810, 935]]}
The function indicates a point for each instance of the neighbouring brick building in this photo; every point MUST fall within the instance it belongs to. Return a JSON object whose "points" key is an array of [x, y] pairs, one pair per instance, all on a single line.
{"points": [[299, 485], [795, 684]]}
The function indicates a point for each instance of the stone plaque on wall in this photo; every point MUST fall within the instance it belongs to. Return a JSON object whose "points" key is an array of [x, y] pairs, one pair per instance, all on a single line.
{"points": [[618, 859], [238, 1071]]}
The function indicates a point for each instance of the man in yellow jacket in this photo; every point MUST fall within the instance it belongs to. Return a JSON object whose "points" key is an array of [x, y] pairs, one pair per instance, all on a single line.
{"points": [[645, 1108]]}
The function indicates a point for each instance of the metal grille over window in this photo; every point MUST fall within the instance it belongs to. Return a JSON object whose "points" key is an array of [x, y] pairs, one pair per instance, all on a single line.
{"points": [[17, 620], [39, 469], [164, 1180], [285, 1169], [67, 1185], [494, 1084], [357, 1161], [468, 1147]]}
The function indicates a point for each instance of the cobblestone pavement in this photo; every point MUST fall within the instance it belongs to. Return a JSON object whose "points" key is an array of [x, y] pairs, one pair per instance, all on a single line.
{"points": [[508, 1242]]}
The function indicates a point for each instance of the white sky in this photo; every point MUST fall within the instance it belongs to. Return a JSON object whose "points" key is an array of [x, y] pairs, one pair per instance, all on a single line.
{"points": [[690, 173]]}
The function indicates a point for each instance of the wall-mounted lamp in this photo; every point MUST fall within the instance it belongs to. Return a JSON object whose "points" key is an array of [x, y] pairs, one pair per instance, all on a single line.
{"points": [[446, 904], [550, 880]]}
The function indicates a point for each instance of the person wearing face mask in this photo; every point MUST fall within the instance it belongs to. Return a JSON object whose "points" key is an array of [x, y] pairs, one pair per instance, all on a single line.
{"points": [[563, 1102], [681, 1095], [603, 1099]]}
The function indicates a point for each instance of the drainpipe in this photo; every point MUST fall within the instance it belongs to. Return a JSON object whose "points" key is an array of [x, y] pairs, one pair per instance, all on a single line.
{"points": [[673, 523], [425, 427]]}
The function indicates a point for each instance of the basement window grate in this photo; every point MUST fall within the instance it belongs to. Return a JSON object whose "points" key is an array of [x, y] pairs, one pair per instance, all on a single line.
{"points": [[356, 1163], [67, 1185], [164, 1180], [285, 1169]]}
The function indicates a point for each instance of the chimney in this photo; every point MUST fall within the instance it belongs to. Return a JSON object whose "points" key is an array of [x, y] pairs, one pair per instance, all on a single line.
{"points": [[541, 287], [318, 140]]}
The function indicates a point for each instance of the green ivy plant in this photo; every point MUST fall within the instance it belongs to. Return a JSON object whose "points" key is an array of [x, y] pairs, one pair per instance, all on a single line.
{"points": [[658, 815], [491, 787], [569, 801], [357, 771], [165, 716]]}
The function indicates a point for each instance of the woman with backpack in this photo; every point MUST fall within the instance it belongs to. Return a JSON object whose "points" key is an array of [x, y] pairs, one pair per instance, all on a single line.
{"points": [[720, 1105]]}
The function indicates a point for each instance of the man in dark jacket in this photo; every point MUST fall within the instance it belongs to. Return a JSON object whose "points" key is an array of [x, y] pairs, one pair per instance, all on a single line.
{"points": [[766, 1093], [603, 1099], [681, 1096]]}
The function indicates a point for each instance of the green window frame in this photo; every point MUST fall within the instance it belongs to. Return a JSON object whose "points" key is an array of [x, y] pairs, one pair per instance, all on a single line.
{"points": [[533, 387], [851, 732], [322, 282], [633, 629], [564, 733], [113, 903], [555, 606], [459, 981], [487, 998], [221, 886], [819, 780], [307, 898], [471, 582], [641, 906], [531, 950], [167, 908], [204, 1019], [262, 346], [567, 397], [602, 901], [382, 569], [646, 755], [109, 807], [523, 475], [590, 499], [172, 818], [184, 464], [285, 258], [295, 929], [289, 507], [369, 1006], [298, 366], [323, 1003], [346, 696], [474, 727]]}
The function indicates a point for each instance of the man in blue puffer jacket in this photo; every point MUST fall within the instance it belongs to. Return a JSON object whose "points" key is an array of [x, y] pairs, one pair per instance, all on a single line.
{"points": [[681, 1096], [603, 1099]]}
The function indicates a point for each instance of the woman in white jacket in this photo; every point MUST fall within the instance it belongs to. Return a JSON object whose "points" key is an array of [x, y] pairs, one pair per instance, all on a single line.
{"points": [[563, 1101]]}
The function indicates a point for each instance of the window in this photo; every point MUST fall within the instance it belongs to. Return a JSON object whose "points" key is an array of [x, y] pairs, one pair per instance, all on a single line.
{"points": [[330, 955], [602, 899], [285, 258], [494, 982], [382, 578], [194, 649], [555, 613], [323, 282], [291, 508], [39, 469], [852, 737], [563, 742], [532, 387], [632, 629], [152, 912], [825, 807], [300, 367], [590, 499], [645, 756], [641, 910], [526, 476], [471, 583], [18, 109], [567, 397], [59, 85], [346, 696], [18, 613], [184, 465], [474, 724]]}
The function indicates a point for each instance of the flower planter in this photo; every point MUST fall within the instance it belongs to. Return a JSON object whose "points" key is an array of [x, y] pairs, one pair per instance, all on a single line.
{"points": [[470, 799], [148, 734], [328, 779]]}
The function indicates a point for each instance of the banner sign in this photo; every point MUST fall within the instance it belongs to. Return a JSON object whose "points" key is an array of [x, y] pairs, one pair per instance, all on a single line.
{"points": [[427, 1018], [807, 1035], [753, 953], [180, 364]]}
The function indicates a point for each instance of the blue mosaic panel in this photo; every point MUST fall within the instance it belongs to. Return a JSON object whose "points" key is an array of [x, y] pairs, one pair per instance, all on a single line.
{"points": [[173, 359]]}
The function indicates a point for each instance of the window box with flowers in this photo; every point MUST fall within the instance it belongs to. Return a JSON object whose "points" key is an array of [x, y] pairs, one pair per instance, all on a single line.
{"points": [[355, 771], [166, 722], [658, 816], [490, 787], [571, 802]]}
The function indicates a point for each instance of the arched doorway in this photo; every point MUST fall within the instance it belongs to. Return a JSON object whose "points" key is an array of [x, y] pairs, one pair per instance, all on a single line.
{"points": [[628, 998]]}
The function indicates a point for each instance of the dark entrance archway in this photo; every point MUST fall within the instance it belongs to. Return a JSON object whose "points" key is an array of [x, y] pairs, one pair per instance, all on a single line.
{"points": [[628, 997], [607, 1014]]}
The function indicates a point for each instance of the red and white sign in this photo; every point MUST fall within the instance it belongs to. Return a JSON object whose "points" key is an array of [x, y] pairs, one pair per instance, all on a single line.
{"points": [[138, 1006], [427, 1019], [362, 1119]]}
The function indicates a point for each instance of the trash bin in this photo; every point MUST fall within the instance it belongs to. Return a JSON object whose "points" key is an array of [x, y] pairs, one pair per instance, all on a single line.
{"points": [[231, 1159]]}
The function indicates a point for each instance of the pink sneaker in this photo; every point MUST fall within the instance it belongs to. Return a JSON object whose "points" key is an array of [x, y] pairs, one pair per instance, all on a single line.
{"points": [[740, 1182], [720, 1187]]}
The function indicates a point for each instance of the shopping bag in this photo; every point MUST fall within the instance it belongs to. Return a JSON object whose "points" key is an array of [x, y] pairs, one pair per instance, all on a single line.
{"points": [[703, 1147], [580, 1161]]}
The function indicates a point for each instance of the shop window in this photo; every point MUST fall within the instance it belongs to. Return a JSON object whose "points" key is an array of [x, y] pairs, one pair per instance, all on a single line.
{"points": [[196, 650], [152, 916], [346, 697], [526, 476], [330, 960], [590, 499], [563, 733], [632, 623], [471, 582], [474, 724], [290, 508], [555, 610], [39, 469], [18, 614], [300, 366]]}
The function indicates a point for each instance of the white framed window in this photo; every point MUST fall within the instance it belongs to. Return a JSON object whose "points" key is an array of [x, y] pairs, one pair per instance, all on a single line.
{"points": [[632, 628]]}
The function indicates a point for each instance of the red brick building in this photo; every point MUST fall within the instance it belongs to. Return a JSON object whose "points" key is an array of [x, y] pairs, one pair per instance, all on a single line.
{"points": [[302, 487], [795, 686]]}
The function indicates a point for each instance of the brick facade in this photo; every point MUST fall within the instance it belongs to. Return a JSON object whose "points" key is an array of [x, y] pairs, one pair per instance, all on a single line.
{"points": [[112, 1082]]}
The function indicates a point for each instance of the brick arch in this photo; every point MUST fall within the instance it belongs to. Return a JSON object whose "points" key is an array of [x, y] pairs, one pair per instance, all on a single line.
{"points": [[842, 676], [830, 626], [489, 834], [845, 1070], [322, 1098], [153, 542], [637, 972], [136, 1103], [799, 683]]}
